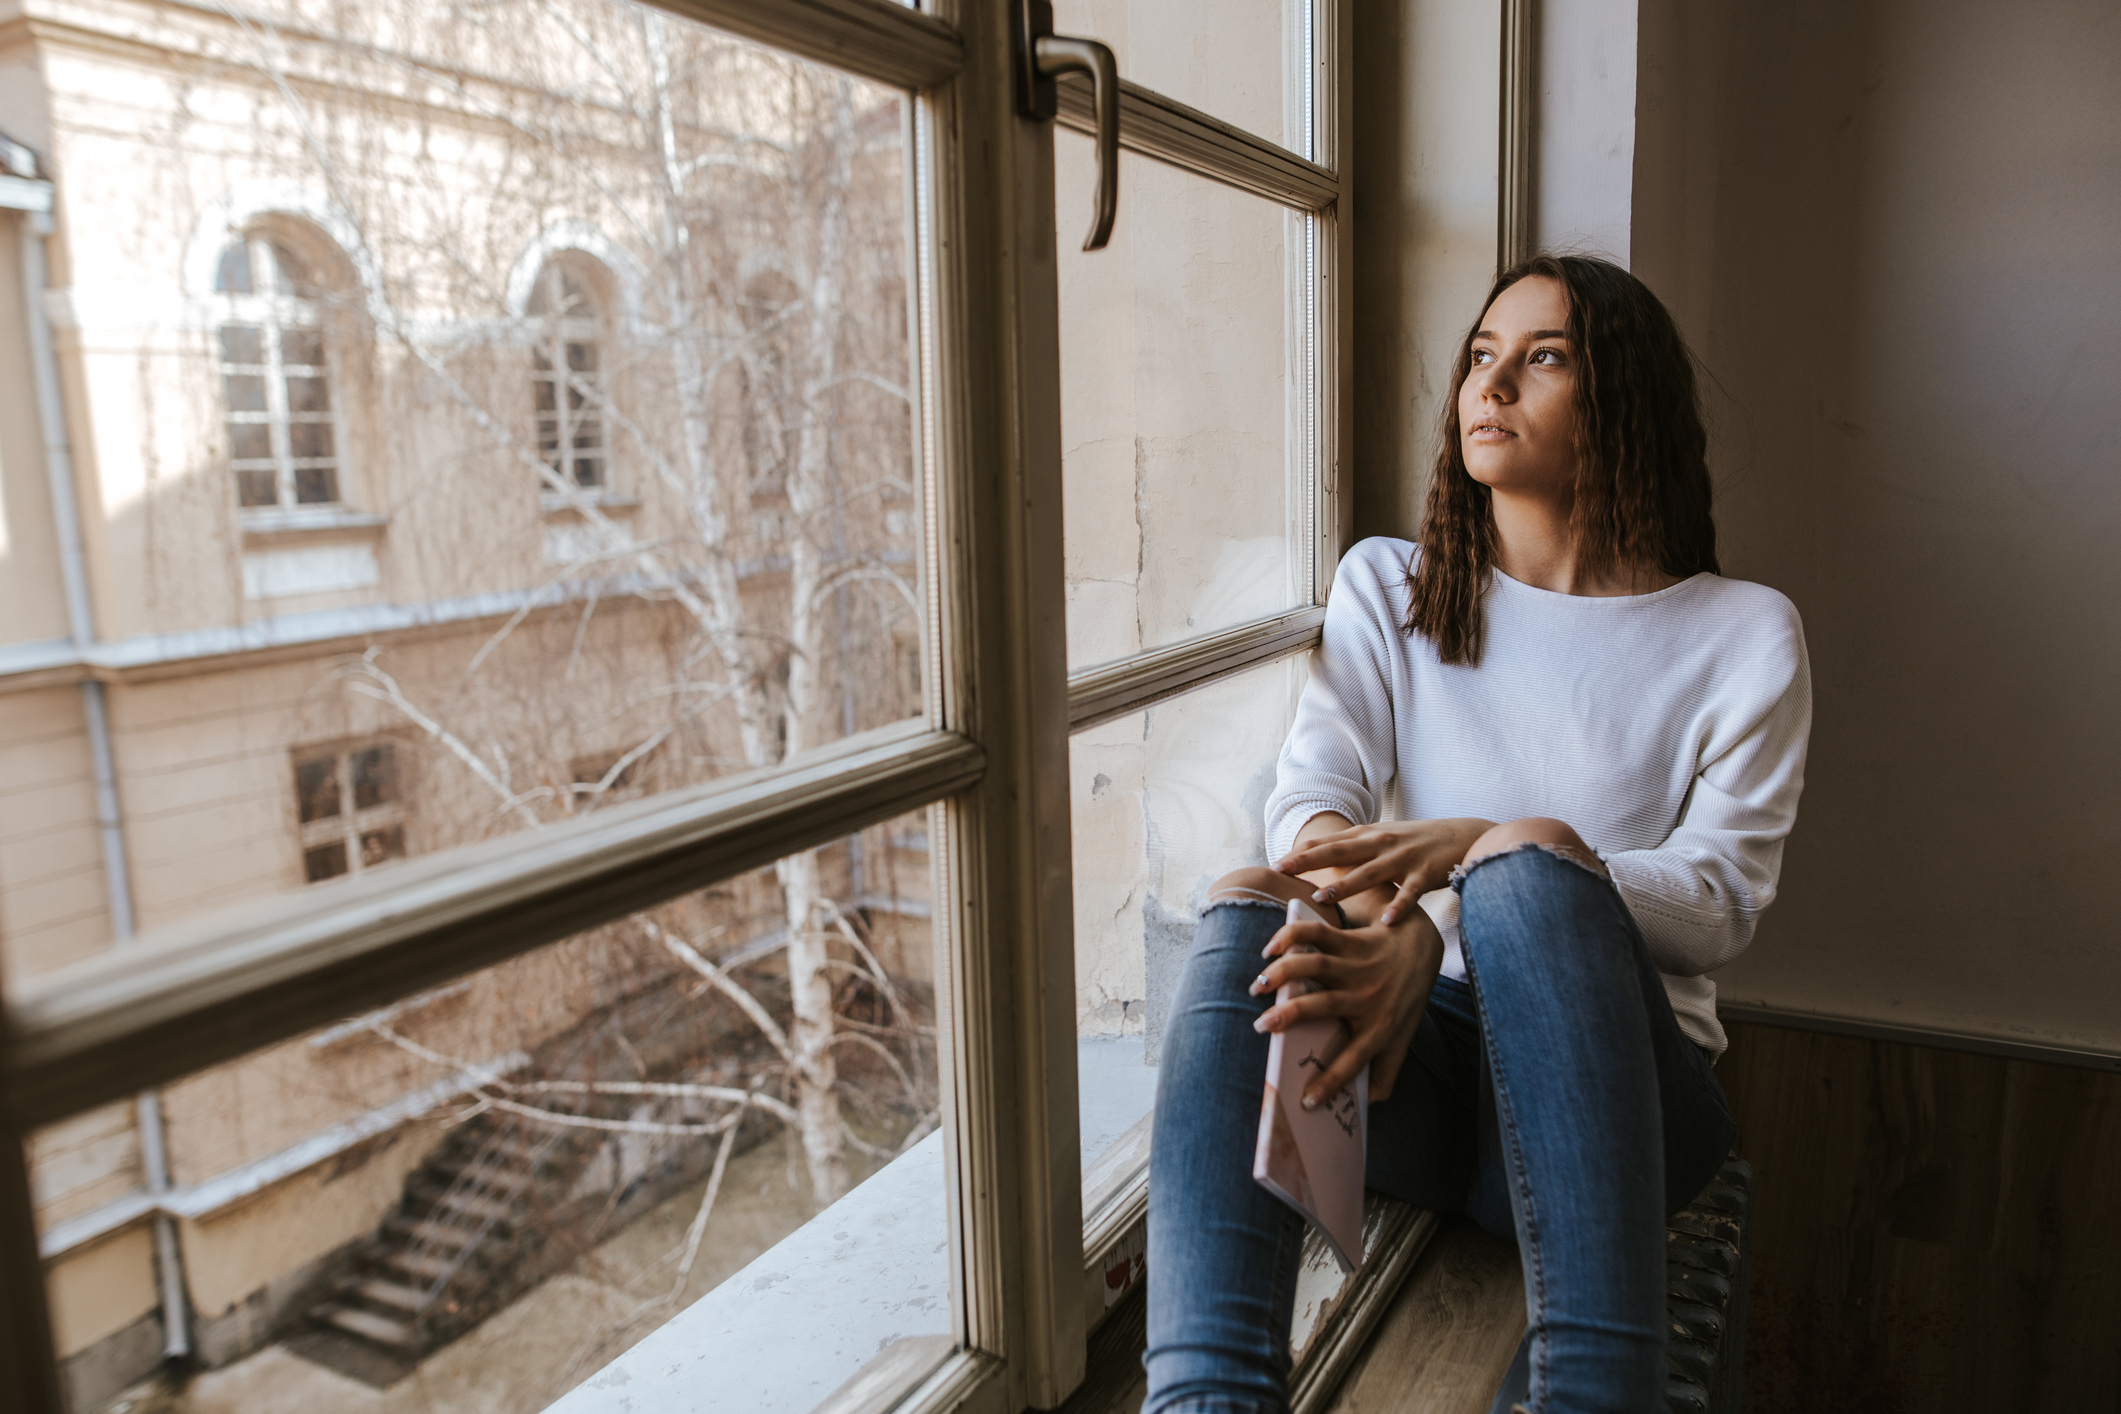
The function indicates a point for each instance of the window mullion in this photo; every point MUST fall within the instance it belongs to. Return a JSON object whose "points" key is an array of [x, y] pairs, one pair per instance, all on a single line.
{"points": [[201, 993], [990, 311]]}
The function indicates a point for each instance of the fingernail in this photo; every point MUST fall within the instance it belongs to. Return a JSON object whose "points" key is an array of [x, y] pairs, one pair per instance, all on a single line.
{"points": [[1310, 1102], [1261, 1024], [1322, 896], [1259, 984], [1388, 918]]}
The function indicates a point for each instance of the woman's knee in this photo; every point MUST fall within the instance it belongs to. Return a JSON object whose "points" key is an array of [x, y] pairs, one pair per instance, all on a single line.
{"points": [[1554, 836], [1255, 884]]}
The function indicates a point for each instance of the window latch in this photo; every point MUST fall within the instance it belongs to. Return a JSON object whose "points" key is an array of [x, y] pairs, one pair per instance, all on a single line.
{"points": [[1043, 56]]}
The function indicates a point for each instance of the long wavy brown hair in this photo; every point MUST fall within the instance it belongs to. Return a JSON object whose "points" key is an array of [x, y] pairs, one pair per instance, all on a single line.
{"points": [[1642, 480]]}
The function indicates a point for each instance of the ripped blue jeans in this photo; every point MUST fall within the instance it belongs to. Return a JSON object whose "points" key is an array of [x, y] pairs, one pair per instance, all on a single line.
{"points": [[1554, 1100]]}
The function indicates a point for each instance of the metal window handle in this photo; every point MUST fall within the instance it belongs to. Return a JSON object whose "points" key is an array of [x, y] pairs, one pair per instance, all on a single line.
{"points": [[1042, 57]]}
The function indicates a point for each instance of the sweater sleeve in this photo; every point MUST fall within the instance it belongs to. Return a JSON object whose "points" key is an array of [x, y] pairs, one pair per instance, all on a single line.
{"points": [[1698, 895], [1340, 755]]}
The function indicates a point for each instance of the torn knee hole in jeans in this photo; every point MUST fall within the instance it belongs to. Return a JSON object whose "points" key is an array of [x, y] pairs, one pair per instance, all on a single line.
{"points": [[1238, 893], [1582, 858]]}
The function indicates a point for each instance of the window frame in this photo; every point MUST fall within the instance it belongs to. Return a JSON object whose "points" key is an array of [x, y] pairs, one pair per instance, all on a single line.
{"points": [[349, 826], [991, 752], [550, 367], [272, 313]]}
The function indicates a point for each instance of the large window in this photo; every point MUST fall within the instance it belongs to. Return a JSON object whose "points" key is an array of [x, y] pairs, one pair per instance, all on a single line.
{"points": [[275, 377], [567, 373], [731, 1010]]}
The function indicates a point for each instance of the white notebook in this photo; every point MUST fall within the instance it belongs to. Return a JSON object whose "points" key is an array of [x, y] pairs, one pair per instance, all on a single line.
{"points": [[1313, 1159]]}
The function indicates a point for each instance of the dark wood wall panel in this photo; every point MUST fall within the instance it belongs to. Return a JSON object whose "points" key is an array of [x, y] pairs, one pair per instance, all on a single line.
{"points": [[1936, 1231]]}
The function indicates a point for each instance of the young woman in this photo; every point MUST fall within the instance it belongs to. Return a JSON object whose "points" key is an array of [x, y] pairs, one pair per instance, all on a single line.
{"points": [[1544, 767]]}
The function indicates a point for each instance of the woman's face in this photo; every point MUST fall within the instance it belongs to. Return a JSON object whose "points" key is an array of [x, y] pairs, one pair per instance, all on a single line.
{"points": [[1517, 409]]}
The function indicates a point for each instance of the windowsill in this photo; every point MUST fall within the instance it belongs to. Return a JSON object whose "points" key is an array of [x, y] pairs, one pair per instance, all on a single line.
{"points": [[260, 521], [609, 502], [874, 1268]]}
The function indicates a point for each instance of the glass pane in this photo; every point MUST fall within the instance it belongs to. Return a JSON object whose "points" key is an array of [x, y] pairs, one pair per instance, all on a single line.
{"points": [[316, 485], [324, 861], [308, 395], [711, 1126], [1165, 803], [375, 777], [302, 346], [232, 275], [243, 343], [246, 392], [317, 789], [380, 846], [309, 439], [1186, 410], [754, 354], [1243, 61], [249, 441], [257, 488]]}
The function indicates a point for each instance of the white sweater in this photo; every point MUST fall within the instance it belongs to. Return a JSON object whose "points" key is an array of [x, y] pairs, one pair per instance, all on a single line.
{"points": [[1669, 729]]}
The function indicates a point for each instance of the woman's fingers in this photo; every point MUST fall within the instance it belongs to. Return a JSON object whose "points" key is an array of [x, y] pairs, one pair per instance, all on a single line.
{"points": [[1350, 848], [1309, 1007], [1401, 902], [1384, 869], [1346, 1066], [1322, 968], [1322, 936]]}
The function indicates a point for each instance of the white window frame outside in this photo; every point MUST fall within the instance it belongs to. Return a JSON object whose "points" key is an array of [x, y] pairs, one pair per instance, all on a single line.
{"points": [[272, 309], [350, 825], [555, 333], [991, 753]]}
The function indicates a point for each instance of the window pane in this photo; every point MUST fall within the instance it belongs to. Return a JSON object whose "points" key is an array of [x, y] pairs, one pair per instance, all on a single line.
{"points": [[478, 1199], [316, 485], [381, 846], [317, 789], [302, 346], [246, 392], [232, 276], [689, 627], [1165, 803], [242, 343], [308, 395], [309, 439], [1243, 61], [249, 441], [1186, 410], [692, 621], [324, 861], [257, 488], [375, 777]]}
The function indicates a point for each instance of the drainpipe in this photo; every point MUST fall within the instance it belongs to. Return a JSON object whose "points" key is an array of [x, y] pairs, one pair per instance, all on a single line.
{"points": [[73, 572]]}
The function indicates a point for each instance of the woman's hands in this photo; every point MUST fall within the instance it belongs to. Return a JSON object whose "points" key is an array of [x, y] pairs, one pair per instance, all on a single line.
{"points": [[1404, 859], [1376, 978]]}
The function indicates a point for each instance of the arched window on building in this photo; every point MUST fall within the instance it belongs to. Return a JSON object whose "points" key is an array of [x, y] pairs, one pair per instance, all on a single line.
{"points": [[283, 431], [567, 370]]}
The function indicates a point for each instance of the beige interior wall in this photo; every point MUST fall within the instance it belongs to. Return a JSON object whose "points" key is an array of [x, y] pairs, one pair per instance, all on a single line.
{"points": [[1890, 231], [1425, 147]]}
